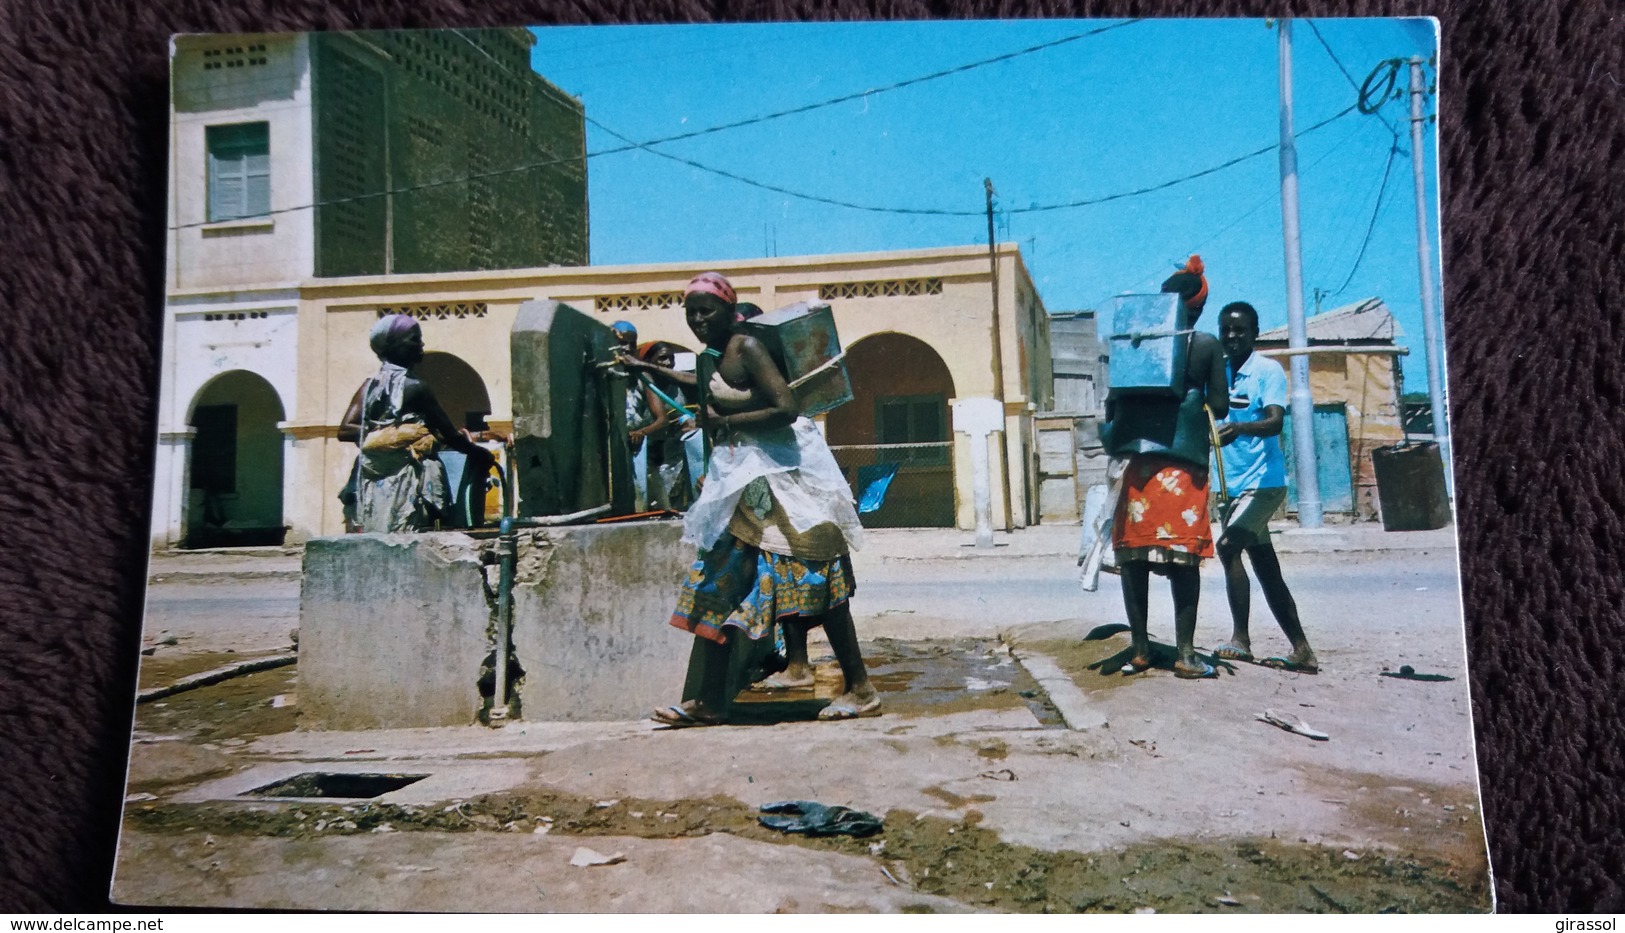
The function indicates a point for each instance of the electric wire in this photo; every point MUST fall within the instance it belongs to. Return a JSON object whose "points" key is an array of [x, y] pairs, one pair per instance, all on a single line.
{"points": [[1346, 75], [1393, 152], [750, 121], [950, 212]]}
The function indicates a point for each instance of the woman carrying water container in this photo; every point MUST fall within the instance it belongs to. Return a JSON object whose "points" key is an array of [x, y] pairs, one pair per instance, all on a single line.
{"points": [[774, 523], [1161, 524]]}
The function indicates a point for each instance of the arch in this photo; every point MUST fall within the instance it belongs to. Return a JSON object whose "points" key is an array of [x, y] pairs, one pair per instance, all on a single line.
{"points": [[458, 388], [235, 491], [900, 393]]}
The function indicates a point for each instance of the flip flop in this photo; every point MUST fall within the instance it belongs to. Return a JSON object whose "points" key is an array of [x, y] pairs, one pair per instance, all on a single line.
{"points": [[676, 717], [1287, 664], [1292, 724], [1135, 665], [1229, 652], [1205, 672], [836, 711]]}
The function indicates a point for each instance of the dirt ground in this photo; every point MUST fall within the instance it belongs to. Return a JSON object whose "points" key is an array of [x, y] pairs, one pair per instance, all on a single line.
{"points": [[953, 850], [1183, 803]]}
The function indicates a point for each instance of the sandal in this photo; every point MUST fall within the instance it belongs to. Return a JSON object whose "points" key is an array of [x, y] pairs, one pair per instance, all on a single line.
{"points": [[1205, 672], [836, 711], [1287, 664], [1230, 652], [1136, 665]]}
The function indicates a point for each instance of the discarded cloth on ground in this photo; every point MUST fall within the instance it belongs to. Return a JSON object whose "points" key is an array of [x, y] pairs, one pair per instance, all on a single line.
{"points": [[817, 819]]}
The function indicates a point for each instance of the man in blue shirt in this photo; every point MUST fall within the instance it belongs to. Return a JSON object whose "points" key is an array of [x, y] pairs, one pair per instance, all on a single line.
{"points": [[1255, 479]]}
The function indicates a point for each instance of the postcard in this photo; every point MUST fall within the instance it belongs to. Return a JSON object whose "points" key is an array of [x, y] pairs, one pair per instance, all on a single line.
{"points": [[884, 468]]}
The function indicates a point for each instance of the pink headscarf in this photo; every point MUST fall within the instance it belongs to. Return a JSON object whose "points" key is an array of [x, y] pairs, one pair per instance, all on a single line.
{"points": [[713, 284]]}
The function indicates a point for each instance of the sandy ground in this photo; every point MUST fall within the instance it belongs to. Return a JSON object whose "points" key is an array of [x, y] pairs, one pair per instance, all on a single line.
{"points": [[1182, 801]]}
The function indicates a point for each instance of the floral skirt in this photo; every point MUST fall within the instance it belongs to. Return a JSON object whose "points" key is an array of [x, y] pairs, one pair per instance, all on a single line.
{"points": [[1162, 515], [736, 585]]}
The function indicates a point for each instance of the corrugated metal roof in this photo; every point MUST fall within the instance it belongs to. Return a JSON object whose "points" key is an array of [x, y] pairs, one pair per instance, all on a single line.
{"points": [[1361, 321]]}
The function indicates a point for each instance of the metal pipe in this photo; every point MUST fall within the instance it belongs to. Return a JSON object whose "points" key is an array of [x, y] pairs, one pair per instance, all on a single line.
{"points": [[549, 521], [1301, 351], [507, 563]]}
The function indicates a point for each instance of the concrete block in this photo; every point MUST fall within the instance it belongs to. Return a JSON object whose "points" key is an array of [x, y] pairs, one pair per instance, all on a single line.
{"points": [[394, 628], [590, 620]]}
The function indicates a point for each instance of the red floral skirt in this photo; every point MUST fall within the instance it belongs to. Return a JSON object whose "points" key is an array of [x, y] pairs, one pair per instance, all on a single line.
{"points": [[1162, 515]]}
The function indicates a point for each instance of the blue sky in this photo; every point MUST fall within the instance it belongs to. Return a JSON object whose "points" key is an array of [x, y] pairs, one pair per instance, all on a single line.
{"points": [[1126, 109]]}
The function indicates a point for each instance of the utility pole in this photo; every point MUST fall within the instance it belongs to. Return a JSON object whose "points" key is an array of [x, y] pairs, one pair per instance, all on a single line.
{"points": [[1303, 404], [993, 264], [1432, 327]]}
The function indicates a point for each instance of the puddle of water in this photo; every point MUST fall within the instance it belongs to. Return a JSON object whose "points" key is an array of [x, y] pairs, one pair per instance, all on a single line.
{"points": [[241, 708], [933, 678]]}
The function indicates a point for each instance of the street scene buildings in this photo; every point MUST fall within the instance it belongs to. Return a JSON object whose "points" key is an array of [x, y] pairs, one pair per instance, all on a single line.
{"points": [[359, 721]]}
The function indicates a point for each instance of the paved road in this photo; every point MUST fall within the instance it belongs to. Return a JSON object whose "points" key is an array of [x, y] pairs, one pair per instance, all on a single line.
{"points": [[1339, 595]]}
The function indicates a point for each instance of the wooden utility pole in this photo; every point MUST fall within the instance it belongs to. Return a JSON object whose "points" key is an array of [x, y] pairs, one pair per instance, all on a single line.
{"points": [[993, 265]]}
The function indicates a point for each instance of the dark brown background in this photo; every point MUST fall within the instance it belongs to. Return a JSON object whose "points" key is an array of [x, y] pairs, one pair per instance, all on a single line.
{"points": [[1533, 144]]}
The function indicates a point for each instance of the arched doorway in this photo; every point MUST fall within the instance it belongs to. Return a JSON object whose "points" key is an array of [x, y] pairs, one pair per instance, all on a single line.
{"points": [[235, 494], [900, 389], [458, 388]]}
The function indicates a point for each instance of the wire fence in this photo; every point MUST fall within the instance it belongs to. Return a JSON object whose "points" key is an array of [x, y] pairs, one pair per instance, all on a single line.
{"points": [[900, 485]]}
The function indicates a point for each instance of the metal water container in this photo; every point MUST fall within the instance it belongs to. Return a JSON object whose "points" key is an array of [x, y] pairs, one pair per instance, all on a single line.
{"points": [[803, 341], [1147, 344], [1410, 487]]}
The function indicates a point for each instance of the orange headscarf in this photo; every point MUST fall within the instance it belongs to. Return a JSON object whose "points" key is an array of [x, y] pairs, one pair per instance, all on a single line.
{"points": [[1195, 267]]}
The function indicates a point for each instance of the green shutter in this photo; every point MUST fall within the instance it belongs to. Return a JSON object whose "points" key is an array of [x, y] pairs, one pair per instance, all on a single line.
{"points": [[239, 170]]}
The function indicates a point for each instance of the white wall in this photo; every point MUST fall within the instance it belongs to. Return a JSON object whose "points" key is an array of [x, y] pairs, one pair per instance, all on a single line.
{"points": [[279, 248], [205, 337]]}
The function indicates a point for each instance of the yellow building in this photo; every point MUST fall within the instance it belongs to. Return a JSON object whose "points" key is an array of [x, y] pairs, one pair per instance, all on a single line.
{"points": [[919, 327], [1354, 379]]}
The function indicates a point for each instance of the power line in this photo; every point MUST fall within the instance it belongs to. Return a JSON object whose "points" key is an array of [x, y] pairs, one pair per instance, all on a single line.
{"points": [[859, 95], [1086, 202], [1348, 77], [1268, 199], [777, 189], [946, 212], [1318, 256], [1393, 151], [646, 146]]}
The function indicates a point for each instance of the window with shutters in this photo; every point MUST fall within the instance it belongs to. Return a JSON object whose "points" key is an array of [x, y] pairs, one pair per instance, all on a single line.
{"points": [[239, 171], [914, 419]]}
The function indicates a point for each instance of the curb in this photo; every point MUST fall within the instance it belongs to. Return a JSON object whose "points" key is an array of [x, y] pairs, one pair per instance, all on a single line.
{"points": [[1068, 699], [222, 576], [215, 676]]}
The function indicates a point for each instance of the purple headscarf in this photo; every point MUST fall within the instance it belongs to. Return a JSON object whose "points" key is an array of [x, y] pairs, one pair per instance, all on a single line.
{"points": [[390, 334]]}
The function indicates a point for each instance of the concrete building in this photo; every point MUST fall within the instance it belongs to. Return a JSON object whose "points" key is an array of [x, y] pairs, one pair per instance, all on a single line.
{"points": [[295, 158], [1354, 378], [320, 181], [917, 326]]}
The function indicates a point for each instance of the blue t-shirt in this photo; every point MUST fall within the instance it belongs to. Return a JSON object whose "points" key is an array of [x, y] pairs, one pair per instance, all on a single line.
{"points": [[1254, 462]]}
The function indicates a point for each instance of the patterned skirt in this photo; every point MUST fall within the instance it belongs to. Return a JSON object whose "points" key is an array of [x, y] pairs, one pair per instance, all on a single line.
{"points": [[735, 585], [1162, 515]]}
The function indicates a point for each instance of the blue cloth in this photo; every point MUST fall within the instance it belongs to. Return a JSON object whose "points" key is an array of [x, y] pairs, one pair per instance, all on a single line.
{"points": [[874, 481], [1254, 462]]}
